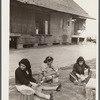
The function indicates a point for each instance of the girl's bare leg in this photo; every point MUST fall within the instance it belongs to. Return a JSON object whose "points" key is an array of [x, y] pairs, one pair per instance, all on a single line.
{"points": [[41, 95], [36, 98]]}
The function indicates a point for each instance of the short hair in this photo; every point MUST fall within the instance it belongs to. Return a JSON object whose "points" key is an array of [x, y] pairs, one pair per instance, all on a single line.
{"points": [[48, 59], [80, 59]]}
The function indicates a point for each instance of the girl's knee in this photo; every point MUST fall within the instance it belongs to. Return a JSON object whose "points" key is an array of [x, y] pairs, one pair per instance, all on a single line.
{"points": [[39, 88]]}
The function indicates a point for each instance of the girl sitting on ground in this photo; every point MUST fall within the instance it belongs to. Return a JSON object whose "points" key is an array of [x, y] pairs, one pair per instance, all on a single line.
{"points": [[48, 71], [81, 72], [27, 85]]}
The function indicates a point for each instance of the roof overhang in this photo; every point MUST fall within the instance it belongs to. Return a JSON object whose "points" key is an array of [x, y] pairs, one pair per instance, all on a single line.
{"points": [[88, 17], [64, 6], [82, 17]]}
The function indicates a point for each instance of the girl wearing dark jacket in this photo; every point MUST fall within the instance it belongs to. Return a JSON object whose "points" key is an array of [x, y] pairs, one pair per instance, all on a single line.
{"points": [[27, 85], [81, 72]]}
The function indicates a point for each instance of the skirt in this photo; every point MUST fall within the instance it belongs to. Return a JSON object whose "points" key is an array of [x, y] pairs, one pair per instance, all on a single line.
{"points": [[26, 90]]}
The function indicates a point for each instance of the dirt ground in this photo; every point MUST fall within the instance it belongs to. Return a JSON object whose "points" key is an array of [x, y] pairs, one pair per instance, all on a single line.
{"points": [[64, 55], [69, 91]]}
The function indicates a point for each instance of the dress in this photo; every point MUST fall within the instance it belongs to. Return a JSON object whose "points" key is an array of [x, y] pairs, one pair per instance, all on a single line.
{"points": [[50, 73], [47, 69]]}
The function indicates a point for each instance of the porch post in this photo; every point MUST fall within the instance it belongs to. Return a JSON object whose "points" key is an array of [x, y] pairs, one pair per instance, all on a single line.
{"points": [[77, 40]]}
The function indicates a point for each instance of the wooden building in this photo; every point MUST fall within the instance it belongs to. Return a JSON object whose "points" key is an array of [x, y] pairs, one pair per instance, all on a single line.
{"points": [[44, 22]]}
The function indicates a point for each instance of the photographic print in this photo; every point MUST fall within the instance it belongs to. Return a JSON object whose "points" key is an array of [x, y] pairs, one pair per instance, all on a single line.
{"points": [[52, 49]]}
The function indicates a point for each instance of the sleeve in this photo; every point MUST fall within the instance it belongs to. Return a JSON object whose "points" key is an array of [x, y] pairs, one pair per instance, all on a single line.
{"points": [[21, 77], [53, 68], [31, 77], [43, 67], [88, 67], [74, 69]]}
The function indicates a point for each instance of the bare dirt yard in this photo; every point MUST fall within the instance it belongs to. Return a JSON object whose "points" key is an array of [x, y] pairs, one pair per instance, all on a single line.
{"points": [[69, 91]]}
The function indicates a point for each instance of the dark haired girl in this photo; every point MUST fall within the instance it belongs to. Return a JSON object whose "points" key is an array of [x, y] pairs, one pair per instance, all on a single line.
{"points": [[48, 71], [27, 85], [81, 72]]}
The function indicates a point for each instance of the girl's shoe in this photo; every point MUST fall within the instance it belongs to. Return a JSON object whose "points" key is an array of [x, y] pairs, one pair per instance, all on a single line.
{"points": [[59, 87]]}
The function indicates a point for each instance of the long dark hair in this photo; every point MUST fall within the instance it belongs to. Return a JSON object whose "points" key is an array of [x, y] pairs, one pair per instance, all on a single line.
{"points": [[28, 68], [80, 59], [26, 63], [48, 59]]}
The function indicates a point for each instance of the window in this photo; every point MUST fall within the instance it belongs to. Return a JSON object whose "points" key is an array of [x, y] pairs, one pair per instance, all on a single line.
{"points": [[42, 24]]}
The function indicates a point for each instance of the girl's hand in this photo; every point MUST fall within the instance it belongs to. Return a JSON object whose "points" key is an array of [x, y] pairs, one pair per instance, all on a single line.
{"points": [[79, 76], [40, 83], [82, 77]]}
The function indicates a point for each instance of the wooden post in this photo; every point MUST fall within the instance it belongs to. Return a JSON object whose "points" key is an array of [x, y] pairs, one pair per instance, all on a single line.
{"points": [[77, 40]]}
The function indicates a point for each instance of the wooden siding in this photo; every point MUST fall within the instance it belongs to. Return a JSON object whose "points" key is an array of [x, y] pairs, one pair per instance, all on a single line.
{"points": [[66, 6], [25, 19], [22, 20], [60, 27]]}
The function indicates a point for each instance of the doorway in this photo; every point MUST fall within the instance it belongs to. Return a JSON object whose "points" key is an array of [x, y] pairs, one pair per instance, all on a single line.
{"points": [[13, 42]]}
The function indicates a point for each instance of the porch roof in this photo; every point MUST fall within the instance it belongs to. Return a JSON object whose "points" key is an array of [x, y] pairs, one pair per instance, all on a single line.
{"points": [[66, 6]]}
